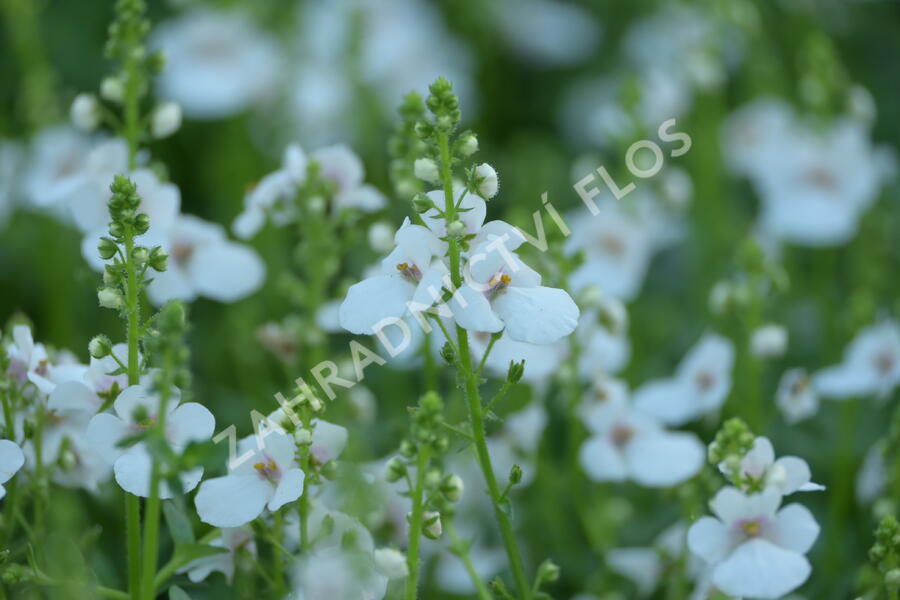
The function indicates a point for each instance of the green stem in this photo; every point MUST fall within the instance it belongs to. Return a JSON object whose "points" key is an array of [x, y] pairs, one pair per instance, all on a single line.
{"points": [[459, 549], [132, 503], [415, 524], [472, 395], [277, 551]]}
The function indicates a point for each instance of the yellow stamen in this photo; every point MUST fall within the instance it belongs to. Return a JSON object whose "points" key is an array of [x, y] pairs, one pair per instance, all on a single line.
{"points": [[402, 266], [505, 278], [259, 466], [751, 528]]}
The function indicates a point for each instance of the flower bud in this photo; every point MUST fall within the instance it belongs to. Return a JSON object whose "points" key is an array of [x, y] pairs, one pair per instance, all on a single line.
{"points": [[426, 170], [422, 203], [769, 341], [116, 229], [166, 119], [141, 223], [329, 470], [448, 353], [107, 248], [303, 436], [112, 89], [486, 181], [432, 526], [408, 449], [85, 112], [515, 371], [457, 230], [381, 237], [158, 260], [515, 475], [110, 298], [391, 563], [394, 470], [548, 571], [453, 488], [100, 346], [140, 255], [468, 144]]}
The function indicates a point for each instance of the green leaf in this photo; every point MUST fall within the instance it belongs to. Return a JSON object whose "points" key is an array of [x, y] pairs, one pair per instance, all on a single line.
{"points": [[176, 593], [179, 525], [187, 553]]}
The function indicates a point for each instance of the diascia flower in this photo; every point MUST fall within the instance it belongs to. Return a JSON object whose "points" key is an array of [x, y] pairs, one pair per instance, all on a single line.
{"points": [[871, 365], [760, 470], [630, 445], [236, 540], [407, 275], [503, 293], [270, 478], [754, 549], [11, 460], [136, 409], [700, 384]]}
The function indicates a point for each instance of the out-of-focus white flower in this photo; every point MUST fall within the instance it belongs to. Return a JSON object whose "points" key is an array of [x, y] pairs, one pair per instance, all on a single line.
{"points": [[204, 262], [769, 341], [872, 476], [270, 479], [643, 566], [754, 549], [343, 167], [160, 201], [236, 540], [381, 237], [217, 64], [617, 249], [133, 465], [426, 170], [700, 384], [391, 563], [760, 470], [629, 445], [112, 89], [406, 276], [11, 460], [28, 361], [166, 119], [541, 360], [603, 334], [871, 365], [85, 112], [753, 137], [55, 162], [487, 181], [548, 32], [796, 397]]}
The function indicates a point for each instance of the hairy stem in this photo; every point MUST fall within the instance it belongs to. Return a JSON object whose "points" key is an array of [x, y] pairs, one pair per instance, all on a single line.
{"points": [[415, 524]]}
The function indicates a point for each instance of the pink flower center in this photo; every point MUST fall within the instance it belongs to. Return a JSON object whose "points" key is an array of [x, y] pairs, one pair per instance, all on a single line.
{"points": [[751, 527], [497, 285], [268, 470], [410, 272]]}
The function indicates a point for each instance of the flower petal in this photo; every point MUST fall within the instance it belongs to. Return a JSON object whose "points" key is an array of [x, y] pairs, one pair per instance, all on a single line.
{"points": [[795, 528], [760, 569], [103, 434], [601, 461], [232, 500], [11, 459], [226, 271], [669, 400], [473, 312], [663, 459], [710, 539], [190, 422], [289, 488], [537, 315], [372, 300]]}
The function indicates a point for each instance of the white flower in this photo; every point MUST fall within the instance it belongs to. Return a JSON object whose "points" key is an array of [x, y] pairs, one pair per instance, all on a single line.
{"points": [[391, 563], [769, 341], [700, 384], [235, 540], [85, 112], [270, 479], [486, 180], [503, 293], [541, 360], [273, 194], [617, 249], [871, 365], [70, 407], [166, 119], [29, 361], [873, 474], [112, 89], [343, 167], [11, 460], [133, 465], [630, 445], [788, 474], [753, 550], [328, 441], [643, 566], [406, 276], [426, 170], [548, 32], [796, 397], [204, 262], [381, 237], [603, 334], [88, 207], [53, 175], [217, 64], [755, 136]]}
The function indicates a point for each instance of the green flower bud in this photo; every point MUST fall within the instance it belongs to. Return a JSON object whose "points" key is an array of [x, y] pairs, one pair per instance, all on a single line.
{"points": [[448, 353], [422, 203], [110, 298], [107, 248], [515, 475], [457, 230], [432, 527], [548, 571], [453, 487], [100, 346], [141, 223], [394, 470], [159, 260], [140, 255], [515, 371]]}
